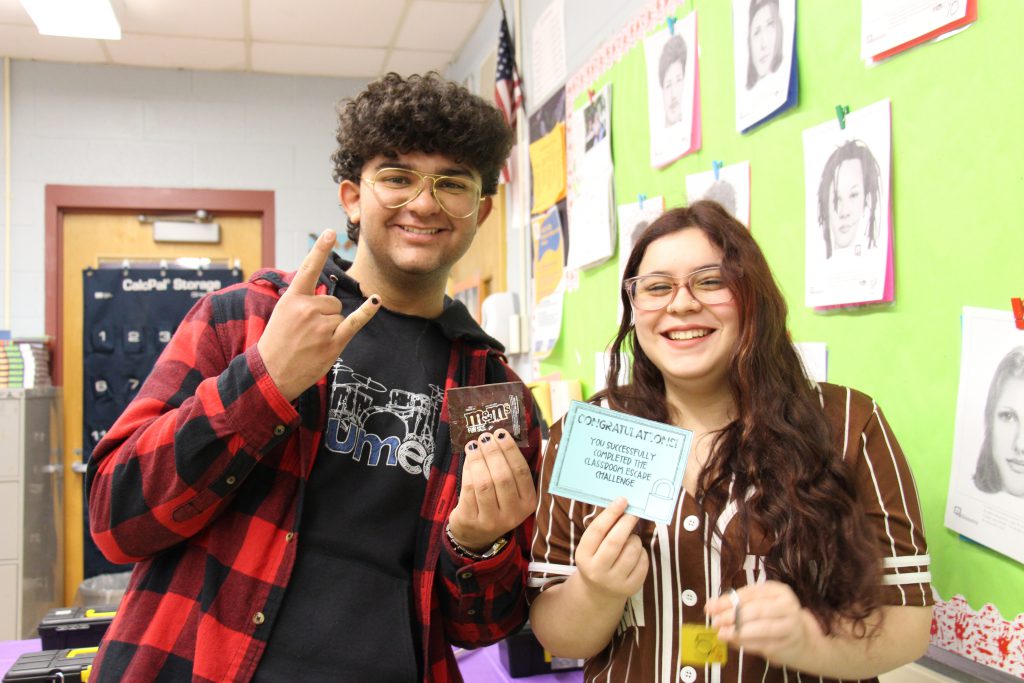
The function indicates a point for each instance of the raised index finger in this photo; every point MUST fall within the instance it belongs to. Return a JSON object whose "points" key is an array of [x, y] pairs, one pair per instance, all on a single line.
{"points": [[308, 273]]}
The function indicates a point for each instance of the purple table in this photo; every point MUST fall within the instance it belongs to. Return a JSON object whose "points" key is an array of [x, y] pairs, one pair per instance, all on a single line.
{"points": [[484, 666], [477, 666], [10, 650]]}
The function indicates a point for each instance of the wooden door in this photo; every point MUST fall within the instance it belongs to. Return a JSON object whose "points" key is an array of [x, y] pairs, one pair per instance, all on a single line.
{"points": [[88, 238]]}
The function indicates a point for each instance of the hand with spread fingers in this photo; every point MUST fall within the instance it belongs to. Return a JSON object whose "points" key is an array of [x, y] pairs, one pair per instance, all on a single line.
{"points": [[610, 557], [306, 332], [497, 493], [765, 618]]}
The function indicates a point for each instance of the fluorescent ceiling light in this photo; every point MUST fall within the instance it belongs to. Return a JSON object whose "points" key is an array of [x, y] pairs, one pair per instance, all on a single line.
{"points": [[74, 18]]}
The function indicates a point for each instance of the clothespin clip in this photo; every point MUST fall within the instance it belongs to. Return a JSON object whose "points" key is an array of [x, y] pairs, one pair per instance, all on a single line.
{"points": [[125, 265], [640, 200], [163, 267], [716, 166], [590, 94], [1018, 311], [671, 21], [841, 111]]}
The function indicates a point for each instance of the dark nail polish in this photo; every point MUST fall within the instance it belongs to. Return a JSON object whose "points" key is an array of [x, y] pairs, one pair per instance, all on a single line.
{"points": [[471, 446], [485, 438], [374, 300], [501, 434]]}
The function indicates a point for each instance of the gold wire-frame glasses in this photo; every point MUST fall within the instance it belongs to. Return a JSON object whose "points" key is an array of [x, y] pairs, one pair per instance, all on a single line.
{"points": [[395, 187]]}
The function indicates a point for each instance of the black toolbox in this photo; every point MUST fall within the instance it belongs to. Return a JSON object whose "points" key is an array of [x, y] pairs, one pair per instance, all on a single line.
{"points": [[522, 655], [67, 627], [68, 665]]}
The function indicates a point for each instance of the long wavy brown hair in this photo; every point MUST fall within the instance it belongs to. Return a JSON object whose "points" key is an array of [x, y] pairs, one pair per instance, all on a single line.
{"points": [[779, 447]]}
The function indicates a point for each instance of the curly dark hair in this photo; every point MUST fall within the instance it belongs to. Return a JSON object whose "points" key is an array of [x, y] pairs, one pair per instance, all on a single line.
{"points": [[780, 446], [428, 114]]}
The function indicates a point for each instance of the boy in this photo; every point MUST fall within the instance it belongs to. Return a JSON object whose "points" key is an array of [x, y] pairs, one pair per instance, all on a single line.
{"points": [[285, 480]]}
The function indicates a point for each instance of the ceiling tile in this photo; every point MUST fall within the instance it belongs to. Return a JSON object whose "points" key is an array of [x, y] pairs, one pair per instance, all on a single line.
{"points": [[408, 62], [190, 18], [343, 62], [178, 53], [432, 25], [360, 23], [358, 39], [24, 42]]}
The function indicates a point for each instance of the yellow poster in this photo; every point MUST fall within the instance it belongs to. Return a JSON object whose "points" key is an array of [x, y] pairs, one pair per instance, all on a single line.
{"points": [[547, 162], [548, 271], [548, 253]]}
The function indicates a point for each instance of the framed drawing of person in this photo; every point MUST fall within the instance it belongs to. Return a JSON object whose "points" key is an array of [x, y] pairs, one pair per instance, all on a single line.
{"points": [[986, 483], [671, 91], [764, 48], [729, 186], [848, 230]]}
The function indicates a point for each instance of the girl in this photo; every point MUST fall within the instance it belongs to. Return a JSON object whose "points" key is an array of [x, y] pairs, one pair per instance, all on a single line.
{"points": [[797, 536]]}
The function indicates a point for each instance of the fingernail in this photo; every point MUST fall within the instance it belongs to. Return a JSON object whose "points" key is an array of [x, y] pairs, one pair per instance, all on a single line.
{"points": [[327, 236], [471, 446], [485, 438], [501, 434], [374, 299]]}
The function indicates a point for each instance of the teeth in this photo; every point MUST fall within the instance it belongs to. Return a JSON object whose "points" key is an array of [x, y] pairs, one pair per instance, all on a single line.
{"points": [[420, 231], [680, 335]]}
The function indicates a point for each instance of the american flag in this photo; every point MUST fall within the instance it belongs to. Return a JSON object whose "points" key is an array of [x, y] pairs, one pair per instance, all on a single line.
{"points": [[508, 94]]}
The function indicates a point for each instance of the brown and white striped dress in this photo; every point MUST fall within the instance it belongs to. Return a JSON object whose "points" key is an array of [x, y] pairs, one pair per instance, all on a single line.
{"points": [[684, 573]]}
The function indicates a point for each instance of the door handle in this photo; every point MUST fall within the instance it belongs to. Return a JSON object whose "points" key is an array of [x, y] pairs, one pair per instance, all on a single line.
{"points": [[51, 469], [78, 467]]}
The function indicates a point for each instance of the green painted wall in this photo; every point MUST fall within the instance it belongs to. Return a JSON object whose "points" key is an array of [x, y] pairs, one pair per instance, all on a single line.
{"points": [[958, 166]]}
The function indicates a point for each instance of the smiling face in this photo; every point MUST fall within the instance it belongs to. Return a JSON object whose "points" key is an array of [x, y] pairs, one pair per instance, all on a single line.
{"points": [[692, 344], [1008, 437], [413, 245], [764, 37], [848, 203], [672, 93]]}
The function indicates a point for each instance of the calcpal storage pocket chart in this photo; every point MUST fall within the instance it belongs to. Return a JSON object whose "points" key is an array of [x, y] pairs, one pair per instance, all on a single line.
{"points": [[605, 454]]}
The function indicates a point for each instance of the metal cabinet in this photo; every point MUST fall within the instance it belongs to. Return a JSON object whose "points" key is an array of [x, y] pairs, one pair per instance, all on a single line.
{"points": [[31, 509]]}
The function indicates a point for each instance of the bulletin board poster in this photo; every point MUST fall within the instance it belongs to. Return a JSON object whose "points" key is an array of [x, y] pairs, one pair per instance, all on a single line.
{"points": [[986, 484], [591, 211], [548, 253], [673, 87], [764, 59], [728, 185], [847, 176], [549, 281]]}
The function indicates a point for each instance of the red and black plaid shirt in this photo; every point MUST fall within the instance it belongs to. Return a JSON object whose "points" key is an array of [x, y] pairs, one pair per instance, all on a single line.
{"points": [[200, 482]]}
